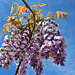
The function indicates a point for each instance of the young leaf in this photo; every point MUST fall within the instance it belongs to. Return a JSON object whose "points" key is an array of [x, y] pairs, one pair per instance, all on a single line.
{"points": [[11, 26], [34, 6], [31, 15], [40, 15], [5, 31], [52, 16], [24, 17], [41, 4], [14, 14], [8, 18], [2, 31], [21, 13], [20, 19], [19, 8], [24, 8], [65, 15], [7, 28], [16, 19], [37, 12], [12, 9], [7, 24], [61, 16], [14, 4], [57, 15]]}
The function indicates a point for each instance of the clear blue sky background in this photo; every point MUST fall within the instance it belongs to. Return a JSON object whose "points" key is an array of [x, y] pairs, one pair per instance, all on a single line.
{"points": [[67, 28]]}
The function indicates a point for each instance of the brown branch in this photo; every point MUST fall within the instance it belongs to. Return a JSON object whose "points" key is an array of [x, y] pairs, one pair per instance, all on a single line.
{"points": [[18, 67], [31, 11], [29, 29]]}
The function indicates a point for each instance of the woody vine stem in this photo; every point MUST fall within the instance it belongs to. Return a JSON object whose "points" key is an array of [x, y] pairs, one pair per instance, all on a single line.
{"points": [[29, 29]]}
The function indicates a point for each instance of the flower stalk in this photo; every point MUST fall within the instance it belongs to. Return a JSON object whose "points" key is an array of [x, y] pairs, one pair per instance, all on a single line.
{"points": [[29, 31]]}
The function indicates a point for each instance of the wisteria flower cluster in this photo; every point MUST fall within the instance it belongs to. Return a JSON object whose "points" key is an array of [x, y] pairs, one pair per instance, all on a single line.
{"points": [[13, 47], [33, 42], [48, 43]]}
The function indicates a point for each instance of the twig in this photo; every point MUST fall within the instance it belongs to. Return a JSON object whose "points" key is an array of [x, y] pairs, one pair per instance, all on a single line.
{"points": [[29, 29], [31, 11], [18, 67]]}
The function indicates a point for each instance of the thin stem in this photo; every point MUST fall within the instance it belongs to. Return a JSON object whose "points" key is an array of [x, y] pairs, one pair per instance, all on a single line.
{"points": [[18, 67], [31, 11], [29, 29]]}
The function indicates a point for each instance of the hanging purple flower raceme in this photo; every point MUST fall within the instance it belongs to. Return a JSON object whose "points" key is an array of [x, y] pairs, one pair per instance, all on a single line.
{"points": [[54, 43], [35, 59], [14, 47], [46, 43]]}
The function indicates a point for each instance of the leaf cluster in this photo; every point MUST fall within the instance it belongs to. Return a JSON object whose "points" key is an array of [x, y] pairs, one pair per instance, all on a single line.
{"points": [[19, 17]]}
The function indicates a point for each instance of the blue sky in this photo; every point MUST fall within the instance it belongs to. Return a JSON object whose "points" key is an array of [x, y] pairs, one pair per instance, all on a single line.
{"points": [[67, 28]]}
